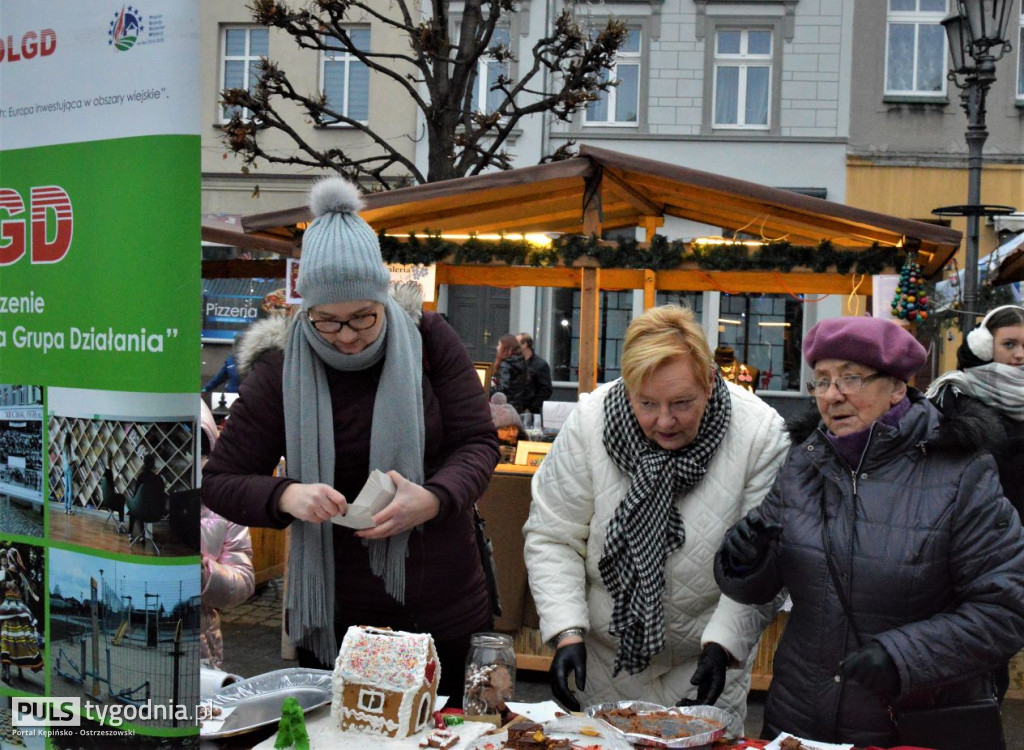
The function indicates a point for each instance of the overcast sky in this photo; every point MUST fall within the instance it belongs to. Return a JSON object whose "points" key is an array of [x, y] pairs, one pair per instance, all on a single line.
{"points": [[71, 571]]}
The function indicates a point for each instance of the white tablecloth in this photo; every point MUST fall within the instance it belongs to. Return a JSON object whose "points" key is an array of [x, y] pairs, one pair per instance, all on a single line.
{"points": [[323, 737]]}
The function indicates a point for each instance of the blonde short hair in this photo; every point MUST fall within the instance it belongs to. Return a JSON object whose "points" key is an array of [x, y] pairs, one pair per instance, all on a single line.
{"points": [[659, 335]]}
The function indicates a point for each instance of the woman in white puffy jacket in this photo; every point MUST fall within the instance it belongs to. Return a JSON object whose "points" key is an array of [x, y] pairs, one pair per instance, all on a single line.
{"points": [[628, 510], [228, 578]]}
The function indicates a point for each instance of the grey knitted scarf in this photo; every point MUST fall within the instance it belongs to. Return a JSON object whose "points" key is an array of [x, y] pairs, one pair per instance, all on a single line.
{"points": [[646, 526], [396, 442], [996, 385]]}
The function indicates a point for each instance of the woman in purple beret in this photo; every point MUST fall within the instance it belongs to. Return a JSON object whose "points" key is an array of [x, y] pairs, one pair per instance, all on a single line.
{"points": [[890, 531]]}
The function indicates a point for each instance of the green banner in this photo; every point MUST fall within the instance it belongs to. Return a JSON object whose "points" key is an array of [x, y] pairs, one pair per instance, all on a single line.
{"points": [[105, 290]]}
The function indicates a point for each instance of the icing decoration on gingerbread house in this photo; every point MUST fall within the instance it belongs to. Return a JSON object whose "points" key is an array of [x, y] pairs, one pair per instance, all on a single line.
{"points": [[384, 682]]}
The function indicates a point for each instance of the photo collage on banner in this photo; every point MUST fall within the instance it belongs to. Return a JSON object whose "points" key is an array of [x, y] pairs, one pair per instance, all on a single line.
{"points": [[99, 365]]}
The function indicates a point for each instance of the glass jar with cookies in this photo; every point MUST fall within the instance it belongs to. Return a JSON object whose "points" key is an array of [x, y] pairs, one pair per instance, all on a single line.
{"points": [[490, 674]]}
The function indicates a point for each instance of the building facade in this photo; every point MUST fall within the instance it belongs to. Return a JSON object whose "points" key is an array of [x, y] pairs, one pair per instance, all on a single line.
{"points": [[907, 153], [840, 100]]}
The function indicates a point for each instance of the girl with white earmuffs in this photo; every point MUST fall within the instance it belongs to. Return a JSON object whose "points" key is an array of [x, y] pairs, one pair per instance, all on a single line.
{"points": [[988, 386]]}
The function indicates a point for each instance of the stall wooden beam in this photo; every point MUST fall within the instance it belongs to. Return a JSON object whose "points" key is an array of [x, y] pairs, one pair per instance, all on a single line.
{"points": [[590, 303], [680, 280], [508, 276], [766, 282], [650, 289]]}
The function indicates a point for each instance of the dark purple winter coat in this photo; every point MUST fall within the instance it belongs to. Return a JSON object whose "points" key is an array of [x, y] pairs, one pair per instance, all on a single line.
{"points": [[445, 589], [930, 556]]}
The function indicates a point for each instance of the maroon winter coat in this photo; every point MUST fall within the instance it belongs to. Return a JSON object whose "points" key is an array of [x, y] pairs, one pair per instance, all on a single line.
{"points": [[445, 590]]}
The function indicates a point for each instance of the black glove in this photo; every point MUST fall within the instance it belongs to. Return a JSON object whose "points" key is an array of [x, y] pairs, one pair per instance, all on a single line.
{"points": [[709, 677], [572, 658], [745, 543], [873, 668]]}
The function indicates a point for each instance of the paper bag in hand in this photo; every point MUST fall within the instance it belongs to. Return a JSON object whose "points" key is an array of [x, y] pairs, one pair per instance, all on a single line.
{"points": [[378, 491]]}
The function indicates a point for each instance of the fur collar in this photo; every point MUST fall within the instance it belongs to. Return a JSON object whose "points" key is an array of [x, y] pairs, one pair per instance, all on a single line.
{"points": [[970, 428], [272, 333]]}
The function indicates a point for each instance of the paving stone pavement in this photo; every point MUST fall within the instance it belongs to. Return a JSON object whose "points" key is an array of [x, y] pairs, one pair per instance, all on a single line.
{"points": [[16, 518], [263, 608]]}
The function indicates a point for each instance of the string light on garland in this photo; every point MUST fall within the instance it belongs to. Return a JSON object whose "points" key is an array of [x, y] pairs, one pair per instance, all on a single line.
{"points": [[660, 254], [910, 301]]}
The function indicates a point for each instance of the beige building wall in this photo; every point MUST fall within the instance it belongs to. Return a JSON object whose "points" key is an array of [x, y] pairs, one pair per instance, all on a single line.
{"points": [[914, 191], [267, 187]]}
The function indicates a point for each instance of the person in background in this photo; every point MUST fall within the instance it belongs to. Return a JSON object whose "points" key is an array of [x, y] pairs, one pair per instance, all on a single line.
{"points": [[227, 575], [114, 497], [987, 388], [509, 373], [506, 420], [227, 374], [19, 640], [68, 458], [903, 560], [148, 483], [360, 380], [628, 508], [538, 373]]}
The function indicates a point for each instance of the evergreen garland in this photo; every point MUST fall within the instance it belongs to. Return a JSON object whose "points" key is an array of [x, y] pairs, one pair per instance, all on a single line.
{"points": [[662, 254]]}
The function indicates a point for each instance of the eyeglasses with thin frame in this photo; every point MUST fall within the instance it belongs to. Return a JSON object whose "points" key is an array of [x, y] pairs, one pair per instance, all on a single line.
{"points": [[845, 384], [357, 324]]}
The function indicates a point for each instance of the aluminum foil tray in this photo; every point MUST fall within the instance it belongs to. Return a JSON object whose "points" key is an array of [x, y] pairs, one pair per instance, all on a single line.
{"points": [[256, 702], [646, 740]]}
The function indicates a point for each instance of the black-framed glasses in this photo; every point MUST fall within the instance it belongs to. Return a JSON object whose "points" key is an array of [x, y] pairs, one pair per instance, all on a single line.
{"points": [[845, 384], [357, 324]]}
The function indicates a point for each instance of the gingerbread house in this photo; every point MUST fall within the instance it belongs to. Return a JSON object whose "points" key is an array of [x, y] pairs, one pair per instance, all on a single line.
{"points": [[385, 682]]}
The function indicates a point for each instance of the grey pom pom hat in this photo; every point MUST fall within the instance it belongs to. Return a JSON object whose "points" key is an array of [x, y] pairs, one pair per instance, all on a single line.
{"points": [[341, 260]]}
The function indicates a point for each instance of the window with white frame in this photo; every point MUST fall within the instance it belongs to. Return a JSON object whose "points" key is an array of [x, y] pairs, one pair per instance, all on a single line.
{"points": [[620, 105], [1020, 58], [346, 80], [488, 72], [915, 54], [242, 47], [742, 78]]}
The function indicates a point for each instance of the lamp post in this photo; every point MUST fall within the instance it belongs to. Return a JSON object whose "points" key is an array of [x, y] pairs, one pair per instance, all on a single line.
{"points": [[977, 39]]}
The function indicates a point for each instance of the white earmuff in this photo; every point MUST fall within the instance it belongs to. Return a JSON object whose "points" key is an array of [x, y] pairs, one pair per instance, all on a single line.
{"points": [[981, 343]]}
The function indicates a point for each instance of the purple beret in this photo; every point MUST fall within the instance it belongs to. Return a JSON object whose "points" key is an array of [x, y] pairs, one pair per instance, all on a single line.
{"points": [[877, 343]]}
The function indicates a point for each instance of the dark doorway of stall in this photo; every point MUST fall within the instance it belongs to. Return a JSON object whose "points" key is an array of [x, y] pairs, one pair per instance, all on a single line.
{"points": [[480, 315]]}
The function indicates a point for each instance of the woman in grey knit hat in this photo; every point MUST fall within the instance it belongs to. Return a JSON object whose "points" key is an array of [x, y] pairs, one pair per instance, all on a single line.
{"points": [[358, 381]]}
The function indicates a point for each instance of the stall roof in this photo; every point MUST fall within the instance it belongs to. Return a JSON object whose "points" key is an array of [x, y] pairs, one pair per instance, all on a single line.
{"points": [[621, 191], [1011, 265]]}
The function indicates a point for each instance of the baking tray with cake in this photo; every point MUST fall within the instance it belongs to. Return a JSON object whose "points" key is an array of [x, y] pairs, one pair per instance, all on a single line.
{"points": [[567, 732], [651, 725], [256, 702]]}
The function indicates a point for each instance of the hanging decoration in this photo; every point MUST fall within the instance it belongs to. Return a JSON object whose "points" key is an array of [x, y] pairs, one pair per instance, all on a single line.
{"points": [[910, 301], [661, 254]]}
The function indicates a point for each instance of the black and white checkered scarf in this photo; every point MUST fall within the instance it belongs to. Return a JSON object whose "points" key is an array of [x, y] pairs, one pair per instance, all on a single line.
{"points": [[647, 526]]}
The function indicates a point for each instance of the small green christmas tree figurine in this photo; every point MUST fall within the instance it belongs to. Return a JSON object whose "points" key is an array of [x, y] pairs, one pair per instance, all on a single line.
{"points": [[909, 302], [291, 730]]}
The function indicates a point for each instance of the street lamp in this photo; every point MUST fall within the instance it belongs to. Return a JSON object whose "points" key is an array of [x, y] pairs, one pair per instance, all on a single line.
{"points": [[977, 39]]}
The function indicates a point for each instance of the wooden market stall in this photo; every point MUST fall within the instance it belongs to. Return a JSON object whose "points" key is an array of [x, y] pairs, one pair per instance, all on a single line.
{"points": [[597, 191]]}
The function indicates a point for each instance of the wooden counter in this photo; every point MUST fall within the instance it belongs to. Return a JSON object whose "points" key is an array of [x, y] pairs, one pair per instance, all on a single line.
{"points": [[504, 508], [268, 553]]}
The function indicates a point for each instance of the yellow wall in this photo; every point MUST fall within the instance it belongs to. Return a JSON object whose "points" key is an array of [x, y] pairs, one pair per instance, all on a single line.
{"points": [[912, 193]]}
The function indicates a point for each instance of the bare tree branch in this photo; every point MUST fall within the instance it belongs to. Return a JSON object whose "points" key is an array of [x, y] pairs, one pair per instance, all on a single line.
{"points": [[439, 73]]}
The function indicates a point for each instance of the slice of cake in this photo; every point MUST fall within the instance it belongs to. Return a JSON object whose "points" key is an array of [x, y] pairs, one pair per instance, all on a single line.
{"points": [[385, 682]]}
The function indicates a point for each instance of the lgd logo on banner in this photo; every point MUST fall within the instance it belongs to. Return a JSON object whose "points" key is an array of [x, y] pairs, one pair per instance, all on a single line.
{"points": [[42, 712]]}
